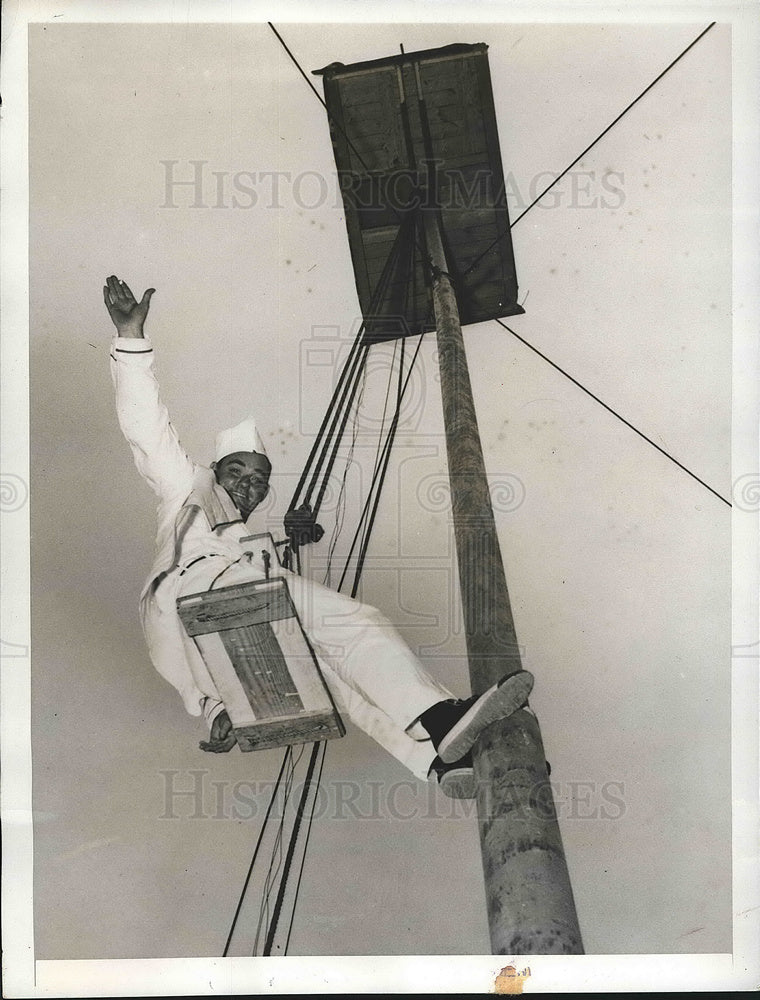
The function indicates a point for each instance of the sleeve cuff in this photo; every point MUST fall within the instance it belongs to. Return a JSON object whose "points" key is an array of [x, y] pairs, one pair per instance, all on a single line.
{"points": [[132, 345], [211, 708]]}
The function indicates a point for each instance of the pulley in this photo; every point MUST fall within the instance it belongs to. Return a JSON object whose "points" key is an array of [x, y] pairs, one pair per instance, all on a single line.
{"points": [[301, 525]]}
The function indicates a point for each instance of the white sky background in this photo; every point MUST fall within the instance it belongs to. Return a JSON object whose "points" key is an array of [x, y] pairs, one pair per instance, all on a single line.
{"points": [[618, 564]]}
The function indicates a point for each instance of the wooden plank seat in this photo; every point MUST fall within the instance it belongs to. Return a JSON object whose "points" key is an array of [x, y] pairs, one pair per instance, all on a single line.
{"points": [[260, 659]]}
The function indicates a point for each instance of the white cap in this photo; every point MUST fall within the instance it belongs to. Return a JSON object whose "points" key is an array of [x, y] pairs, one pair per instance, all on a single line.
{"points": [[243, 437]]}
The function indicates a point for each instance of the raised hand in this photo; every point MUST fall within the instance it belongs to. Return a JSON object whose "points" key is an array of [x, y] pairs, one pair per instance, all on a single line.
{"points": [[127, 313]]}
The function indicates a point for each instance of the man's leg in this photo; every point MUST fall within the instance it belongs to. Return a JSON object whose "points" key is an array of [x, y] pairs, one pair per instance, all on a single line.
{"points": [[365, 650], [416, 755]]}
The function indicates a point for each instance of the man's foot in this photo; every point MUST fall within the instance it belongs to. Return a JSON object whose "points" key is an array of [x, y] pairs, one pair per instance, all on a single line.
{"points": [[455, 725], [457, 780]]}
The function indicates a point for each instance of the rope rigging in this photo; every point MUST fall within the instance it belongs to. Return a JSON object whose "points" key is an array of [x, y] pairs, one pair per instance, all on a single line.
{"points": [[318, 785], [340, 505], [396, 251], [274, 868], [315, 750], [324, 451], [285, 762]]}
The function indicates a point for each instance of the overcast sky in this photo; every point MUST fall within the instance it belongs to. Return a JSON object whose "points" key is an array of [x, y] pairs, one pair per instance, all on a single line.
{"points": [[618, 563]]}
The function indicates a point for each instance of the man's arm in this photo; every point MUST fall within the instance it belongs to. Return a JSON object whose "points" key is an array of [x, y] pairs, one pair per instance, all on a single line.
{"points": [[143, 418]]}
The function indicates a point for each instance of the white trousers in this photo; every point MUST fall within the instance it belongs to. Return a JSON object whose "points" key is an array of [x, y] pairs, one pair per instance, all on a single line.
{"points": [[371, 673]]}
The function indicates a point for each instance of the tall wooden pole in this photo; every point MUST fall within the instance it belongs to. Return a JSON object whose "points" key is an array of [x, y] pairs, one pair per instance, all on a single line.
{"points": [[529, 897]]}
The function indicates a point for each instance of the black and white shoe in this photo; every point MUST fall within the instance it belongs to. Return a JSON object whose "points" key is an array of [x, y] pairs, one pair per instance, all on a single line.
{"points": [[457, 780], [457, 724]]}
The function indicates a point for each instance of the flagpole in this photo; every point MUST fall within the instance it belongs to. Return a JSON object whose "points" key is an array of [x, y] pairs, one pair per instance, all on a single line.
{"points": [[530, 902]]}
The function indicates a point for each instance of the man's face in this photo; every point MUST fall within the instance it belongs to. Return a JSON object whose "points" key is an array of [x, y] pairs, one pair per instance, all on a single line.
{"points": [[245, 476]]}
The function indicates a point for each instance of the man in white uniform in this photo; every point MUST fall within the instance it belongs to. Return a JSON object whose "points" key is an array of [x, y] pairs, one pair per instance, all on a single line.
{"points": [[373, 676]]}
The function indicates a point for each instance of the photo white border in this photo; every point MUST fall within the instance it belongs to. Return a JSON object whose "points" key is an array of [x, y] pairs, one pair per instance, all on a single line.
{"points": [[22, 977]]}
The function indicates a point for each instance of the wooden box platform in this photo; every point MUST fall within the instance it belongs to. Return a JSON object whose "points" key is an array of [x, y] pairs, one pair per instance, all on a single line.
{"points": [[252, 641]]}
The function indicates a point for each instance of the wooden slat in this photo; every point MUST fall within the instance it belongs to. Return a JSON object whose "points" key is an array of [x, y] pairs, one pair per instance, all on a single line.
{"points": [[226, 680], [465, 244], [307, 728], [230, 607], [261, 669], [485, 295], [369, 107], [304, 670], [470, 222]]}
